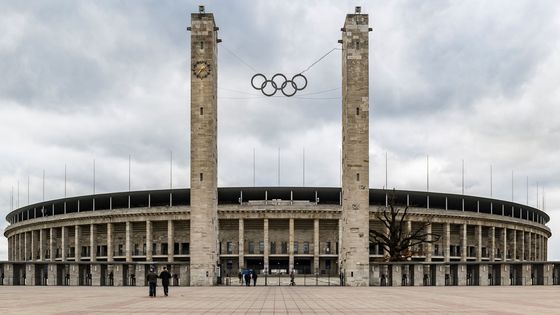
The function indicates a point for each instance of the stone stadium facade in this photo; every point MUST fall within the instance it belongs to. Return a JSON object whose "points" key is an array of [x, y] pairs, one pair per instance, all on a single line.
{"points": [[206, 234]]}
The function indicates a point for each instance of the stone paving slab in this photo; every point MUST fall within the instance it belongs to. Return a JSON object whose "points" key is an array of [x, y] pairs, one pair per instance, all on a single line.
{"points": [[281, 300]]}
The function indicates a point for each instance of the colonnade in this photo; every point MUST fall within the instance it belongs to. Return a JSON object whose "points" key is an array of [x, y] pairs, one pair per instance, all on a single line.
{"points": [[47, 244]]}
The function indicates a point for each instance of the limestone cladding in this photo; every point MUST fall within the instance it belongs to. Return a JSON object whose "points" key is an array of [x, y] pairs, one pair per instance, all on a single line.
{"points": [[204, 179], [355, 149]]}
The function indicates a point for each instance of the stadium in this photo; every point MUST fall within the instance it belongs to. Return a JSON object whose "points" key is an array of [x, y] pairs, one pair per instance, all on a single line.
{"points": [[206, 234]]}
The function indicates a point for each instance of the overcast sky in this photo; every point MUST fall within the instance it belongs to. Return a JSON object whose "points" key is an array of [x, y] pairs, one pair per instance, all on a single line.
{"points": [[456, 80]]}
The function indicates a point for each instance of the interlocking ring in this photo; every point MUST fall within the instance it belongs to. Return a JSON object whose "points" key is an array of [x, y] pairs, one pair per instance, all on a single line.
{"points": [[269, 87]]}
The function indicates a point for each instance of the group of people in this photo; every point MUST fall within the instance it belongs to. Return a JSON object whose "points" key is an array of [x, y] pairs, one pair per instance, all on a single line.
{"points": [[152, 277], [247, 276]]}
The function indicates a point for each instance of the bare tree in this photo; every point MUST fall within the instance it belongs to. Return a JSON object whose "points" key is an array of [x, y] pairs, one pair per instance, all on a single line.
{"points": [[395, 239]]}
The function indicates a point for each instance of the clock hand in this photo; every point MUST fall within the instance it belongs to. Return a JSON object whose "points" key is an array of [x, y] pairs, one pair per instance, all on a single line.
{"points": [[199, 71]]}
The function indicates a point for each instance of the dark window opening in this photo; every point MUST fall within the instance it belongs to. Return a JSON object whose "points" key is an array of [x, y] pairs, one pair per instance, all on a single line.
{"points": [[202, 111], [201, 177]]}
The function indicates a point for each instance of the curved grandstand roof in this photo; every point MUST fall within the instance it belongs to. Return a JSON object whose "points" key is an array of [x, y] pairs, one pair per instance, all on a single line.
{"points": [[236, 195]]}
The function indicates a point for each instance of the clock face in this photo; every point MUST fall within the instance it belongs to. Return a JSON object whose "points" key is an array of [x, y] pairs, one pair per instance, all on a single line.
{"points": [[201, 69]]}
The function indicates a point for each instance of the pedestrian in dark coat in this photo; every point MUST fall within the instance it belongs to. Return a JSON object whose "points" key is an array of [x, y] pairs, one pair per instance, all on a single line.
{"points": [[165, 276], [254, 278], [247, 277], [152, 281]]}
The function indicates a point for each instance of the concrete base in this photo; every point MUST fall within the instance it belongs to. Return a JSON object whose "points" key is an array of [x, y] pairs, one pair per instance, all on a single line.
{"points": [[51, 275], [118, 276], [95, 275], [110, 276], [8, 274], [505, 273], [396, 276], [74, 275], [418, 275], [440, 275], [483, 275], [30, 274], [526, 274], [461, 275], [374, 278], [548, 273], [141, 275], [184, 274]]}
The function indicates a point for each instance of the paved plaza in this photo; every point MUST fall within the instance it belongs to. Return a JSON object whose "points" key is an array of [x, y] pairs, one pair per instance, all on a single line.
{"points": [[281, 300]]}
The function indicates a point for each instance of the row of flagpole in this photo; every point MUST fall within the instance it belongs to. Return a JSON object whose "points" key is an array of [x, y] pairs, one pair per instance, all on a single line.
{"points": [[17, 201]]}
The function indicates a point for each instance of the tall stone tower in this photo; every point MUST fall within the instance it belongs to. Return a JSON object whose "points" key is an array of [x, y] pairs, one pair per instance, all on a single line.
{"points": [[355, 150], [204, 151]]}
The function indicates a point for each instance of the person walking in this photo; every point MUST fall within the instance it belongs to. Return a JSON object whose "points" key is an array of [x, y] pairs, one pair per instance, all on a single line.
{"points": [[152, 281], [247, 277], [254, 278], [292, 276], [165, 276], [240, 276]]}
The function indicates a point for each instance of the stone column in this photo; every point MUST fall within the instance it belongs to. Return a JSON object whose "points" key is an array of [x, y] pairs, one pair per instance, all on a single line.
{"points": [[545, 248], [52, 244], [10, 249], [42, 245], [77, 243], [504, 244], [478, 232], [514, 236], [170, 240], [447, 241], [33, 246], [291, 245], [93, 242], [127, 245], [541, 251], [18, 246], [204, 149], [64, 241], [110, 242], [464, 242], [492, 243], [529, 246], [429, 250], [534, 245], [355, 149], [149, 240], [25, 247], [522, 255], [316, 246], [241, 244], [266, 246]]}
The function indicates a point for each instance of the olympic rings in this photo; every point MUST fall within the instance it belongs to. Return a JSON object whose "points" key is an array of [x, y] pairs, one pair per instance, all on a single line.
{"points": [[269, 87]]}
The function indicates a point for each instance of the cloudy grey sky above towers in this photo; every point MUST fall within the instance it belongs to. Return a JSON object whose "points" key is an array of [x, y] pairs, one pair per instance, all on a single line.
{"points": [[473, 80]]}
